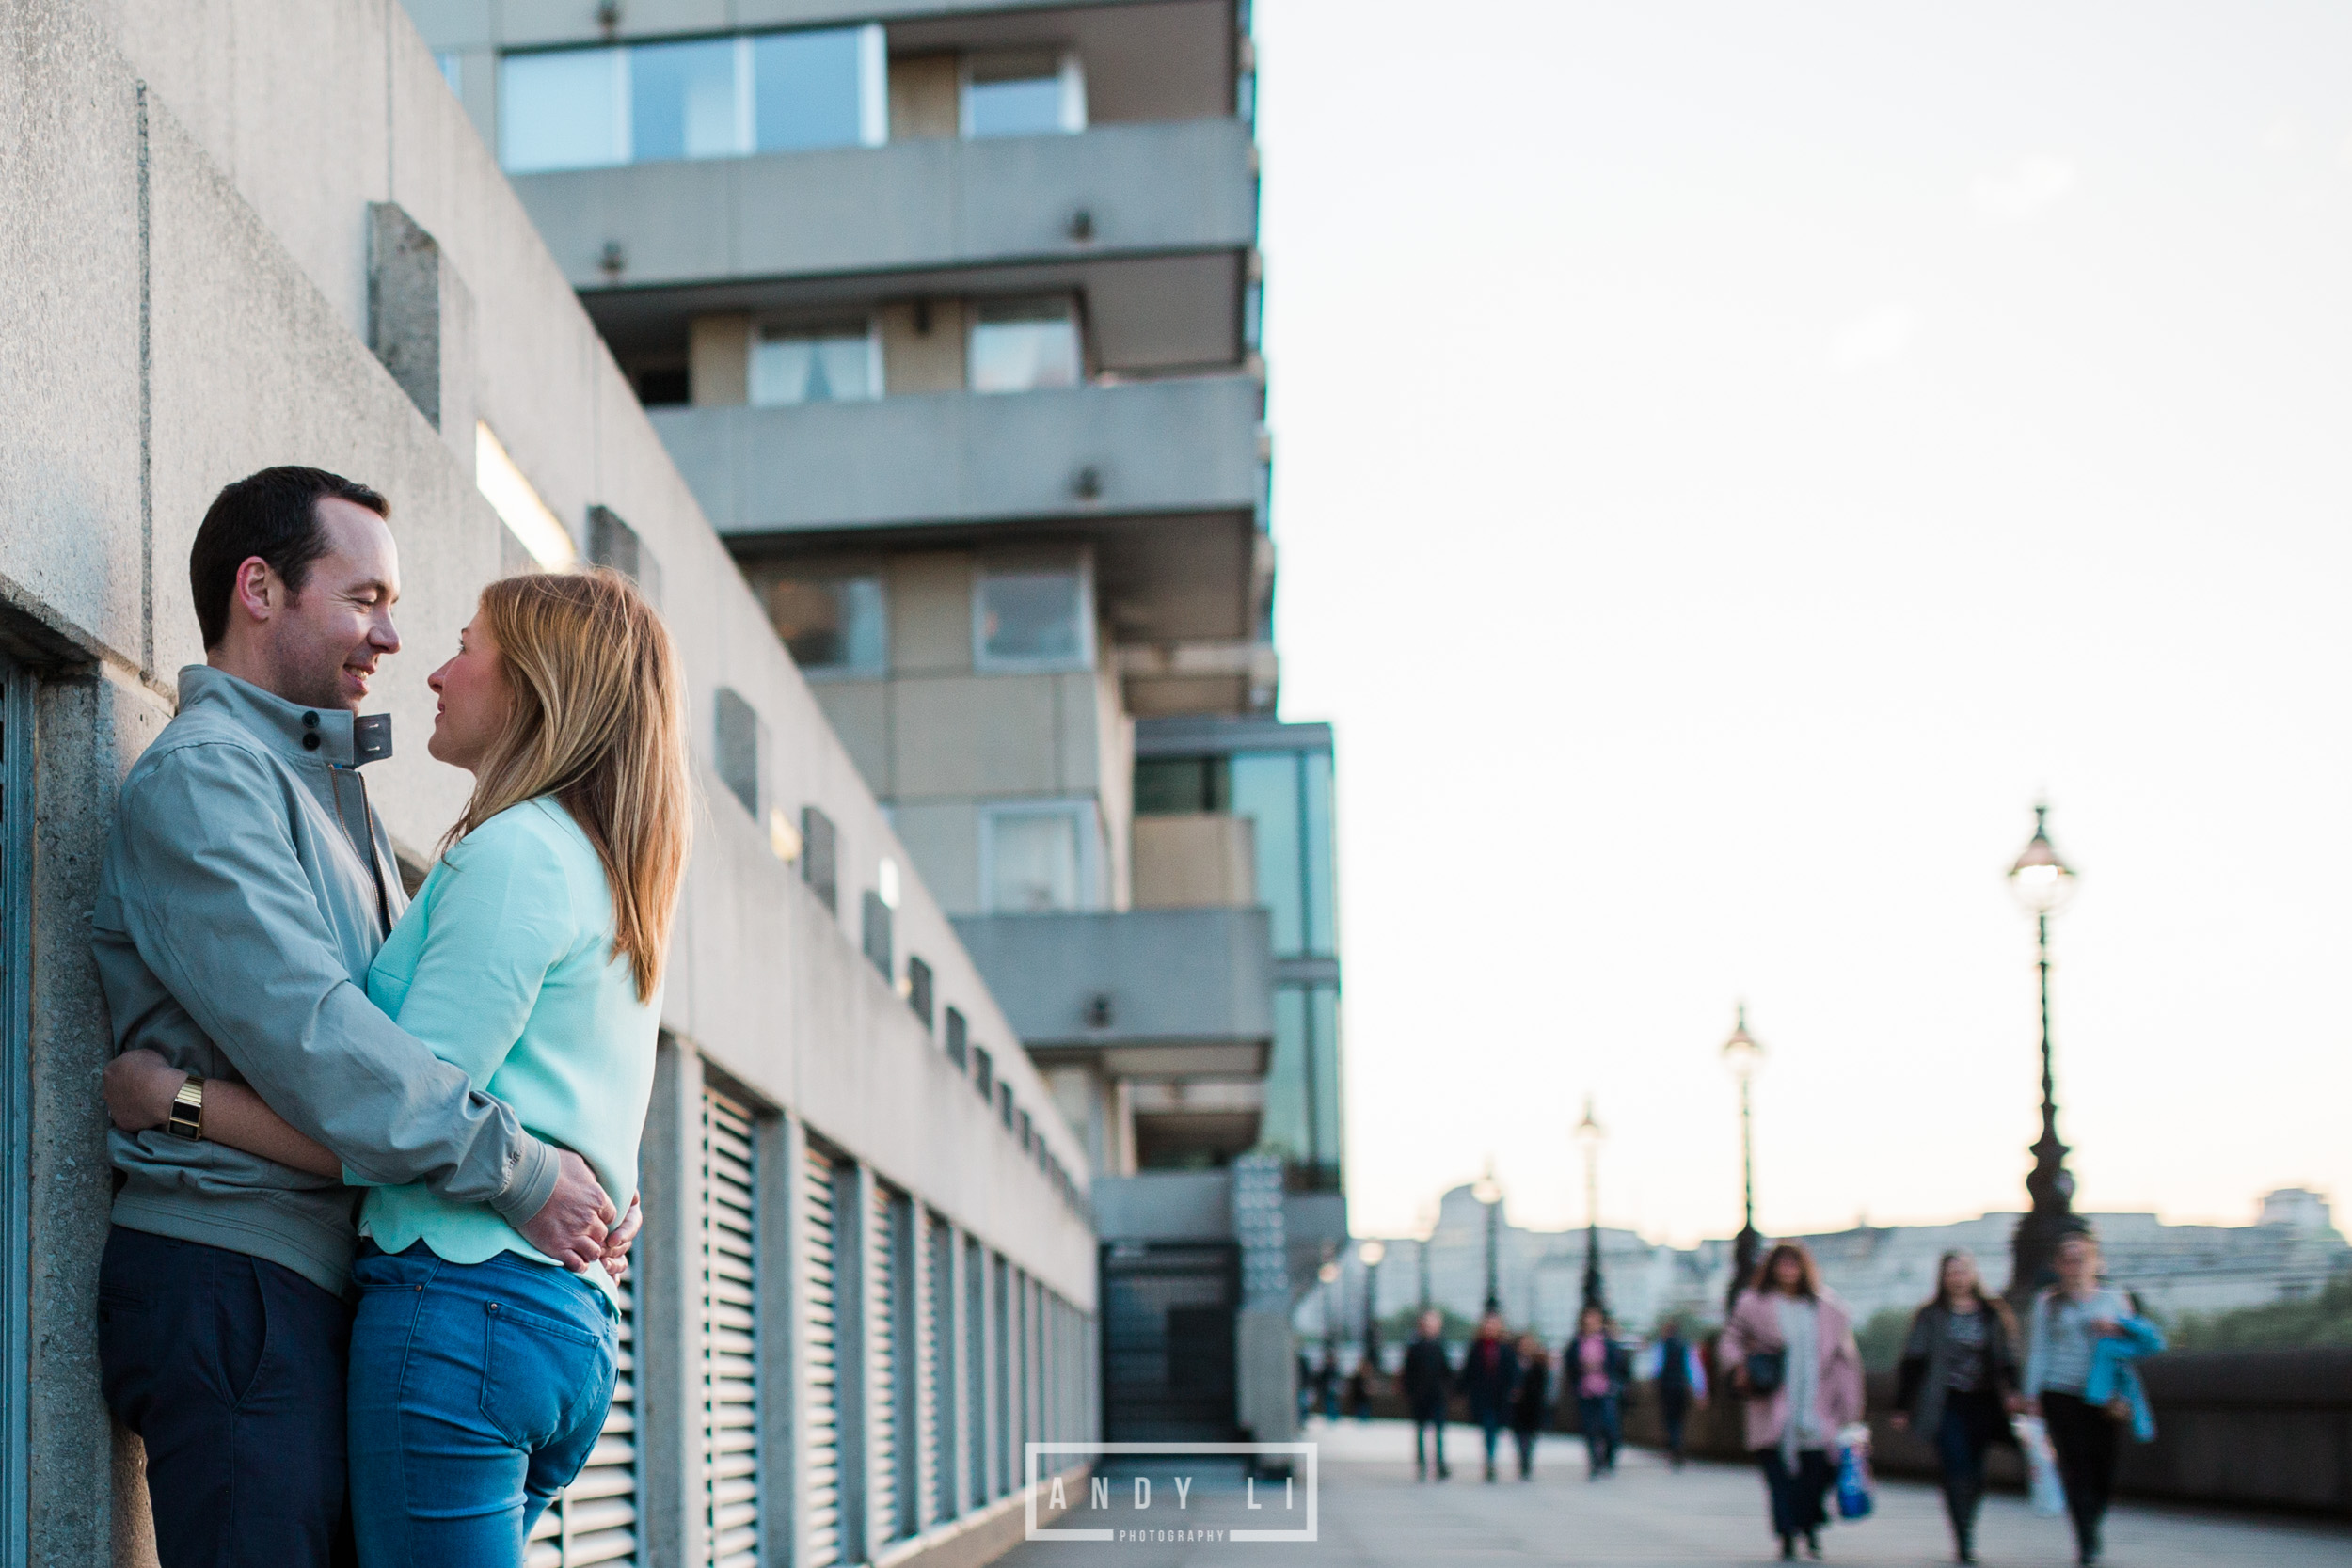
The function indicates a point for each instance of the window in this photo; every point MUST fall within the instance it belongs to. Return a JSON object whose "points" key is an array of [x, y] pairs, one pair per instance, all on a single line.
{"points": [[1038, 859], [824, 365], [956, 1037], [739, 747], [1032, 619], [1004, 1105], [1174, 785], [1024, 347], [919, 990], [613, 543], [1027, 1132], [699, 98], [877, 935], [818, 856], [833, 625], [1027, 94], [983, 1072]]}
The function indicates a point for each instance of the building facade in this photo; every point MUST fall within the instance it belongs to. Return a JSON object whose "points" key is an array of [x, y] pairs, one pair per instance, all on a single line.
{"points": [[868, 1276], [948, 314]]}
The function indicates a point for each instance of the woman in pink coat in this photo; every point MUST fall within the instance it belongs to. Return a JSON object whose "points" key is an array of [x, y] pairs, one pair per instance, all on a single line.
{"points": [[1789, 1350]]}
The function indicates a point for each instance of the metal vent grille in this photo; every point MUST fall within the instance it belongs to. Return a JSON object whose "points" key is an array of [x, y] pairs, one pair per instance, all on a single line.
{"points": [[730, 1351]]}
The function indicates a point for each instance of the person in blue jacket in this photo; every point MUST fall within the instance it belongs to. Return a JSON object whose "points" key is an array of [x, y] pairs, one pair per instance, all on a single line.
{"points": [[2078, 1378]]}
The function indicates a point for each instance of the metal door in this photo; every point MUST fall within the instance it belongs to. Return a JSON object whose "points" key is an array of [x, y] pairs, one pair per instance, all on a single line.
{"points": [[1168, 1314]]}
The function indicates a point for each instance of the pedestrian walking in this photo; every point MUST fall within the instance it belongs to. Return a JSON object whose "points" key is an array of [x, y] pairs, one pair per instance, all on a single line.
{"points": [[2082, 1332], [1532, 1402], [1327, 1384], [1490, 1374], [1679, 1375], [1789, 1350], [1360, 1388], [1958, 1386], [1428, 1383], [1599, 1368]]}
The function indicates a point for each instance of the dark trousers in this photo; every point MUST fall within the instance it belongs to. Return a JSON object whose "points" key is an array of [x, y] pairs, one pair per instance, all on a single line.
{"points": [[1489, 1427], [1800, 1497], [1597, 1415], [1966, 1430], [1525, 1432], [1429, 1430], [2089, 1441], [1674, 1412], [231, 1370]]}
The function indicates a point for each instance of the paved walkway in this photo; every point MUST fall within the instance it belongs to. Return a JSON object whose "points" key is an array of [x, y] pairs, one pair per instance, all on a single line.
{"points": [[1372, 1514]]}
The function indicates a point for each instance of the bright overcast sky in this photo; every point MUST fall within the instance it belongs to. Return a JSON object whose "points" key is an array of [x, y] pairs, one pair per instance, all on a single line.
{"points": [[1729, 459]]}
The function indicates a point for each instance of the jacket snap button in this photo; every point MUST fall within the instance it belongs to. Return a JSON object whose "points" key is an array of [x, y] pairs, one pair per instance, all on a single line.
{"points": [[310, 741], [309, 721]]}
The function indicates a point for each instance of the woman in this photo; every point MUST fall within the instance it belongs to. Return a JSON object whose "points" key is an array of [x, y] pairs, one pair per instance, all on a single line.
{"points": [[2069, 1321], [1597, 1367], [1788, 1346], [1958, 1385], [481, 1370], [1491, 1370], [1530, 1401]]}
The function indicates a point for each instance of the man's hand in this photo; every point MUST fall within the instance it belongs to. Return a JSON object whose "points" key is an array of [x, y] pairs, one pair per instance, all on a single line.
{"points": [[139, 1086], [624, 1237], [571, 1225]]}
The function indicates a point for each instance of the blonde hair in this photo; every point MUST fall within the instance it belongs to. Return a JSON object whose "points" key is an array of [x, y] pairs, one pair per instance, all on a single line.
{"points": [[598, 720]]}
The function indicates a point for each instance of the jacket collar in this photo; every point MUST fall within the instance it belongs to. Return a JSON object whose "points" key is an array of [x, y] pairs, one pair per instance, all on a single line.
{"points": [[311, 735]]}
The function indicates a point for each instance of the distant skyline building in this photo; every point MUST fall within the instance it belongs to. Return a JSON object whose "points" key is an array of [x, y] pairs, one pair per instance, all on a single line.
{"points": [[2290, 1252]]}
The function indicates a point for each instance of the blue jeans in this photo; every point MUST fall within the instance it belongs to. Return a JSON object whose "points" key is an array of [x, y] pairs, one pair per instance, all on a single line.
{"points": [[477, 1392]]}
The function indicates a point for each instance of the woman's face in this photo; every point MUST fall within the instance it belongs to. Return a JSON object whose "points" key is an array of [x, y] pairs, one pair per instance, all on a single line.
{"points": [[2077, 1263], [475, 699], [1960, 1277], [1787, 1274], [1591, 1322]]}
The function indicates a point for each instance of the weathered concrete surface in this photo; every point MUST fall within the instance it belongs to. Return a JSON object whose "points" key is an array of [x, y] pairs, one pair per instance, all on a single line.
{"points": [[1372, 1514]]}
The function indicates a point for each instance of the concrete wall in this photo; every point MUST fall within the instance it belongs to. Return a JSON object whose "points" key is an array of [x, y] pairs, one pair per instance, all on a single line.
{"points": [[192, 303]]}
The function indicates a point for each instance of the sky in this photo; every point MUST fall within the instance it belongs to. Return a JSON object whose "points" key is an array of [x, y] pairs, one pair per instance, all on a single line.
{"points": [[1730, 461]]}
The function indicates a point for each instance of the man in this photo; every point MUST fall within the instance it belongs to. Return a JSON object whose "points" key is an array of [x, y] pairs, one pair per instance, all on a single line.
{"points": [[1428, 1381], [246, 887], [1680, 1378], [1491, 1375]]}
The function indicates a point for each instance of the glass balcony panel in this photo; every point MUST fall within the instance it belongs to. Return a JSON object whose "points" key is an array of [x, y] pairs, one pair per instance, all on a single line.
{"points": [[683, 100], [1033, 862], [834, 624], [807, 90], [1265, 790], [566, 109], [1025, 349]]}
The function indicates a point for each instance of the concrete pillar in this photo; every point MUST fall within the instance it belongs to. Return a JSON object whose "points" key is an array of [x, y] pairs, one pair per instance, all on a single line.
{"points": [[669, 1306], [420, 324], [718, 361]]}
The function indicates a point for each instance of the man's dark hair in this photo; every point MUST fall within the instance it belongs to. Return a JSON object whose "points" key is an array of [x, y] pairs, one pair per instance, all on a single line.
{"points": [[274, 514]]}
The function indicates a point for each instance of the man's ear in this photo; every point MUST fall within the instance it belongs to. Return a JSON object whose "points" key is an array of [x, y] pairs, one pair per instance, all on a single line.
{"points": [[257, 590]]}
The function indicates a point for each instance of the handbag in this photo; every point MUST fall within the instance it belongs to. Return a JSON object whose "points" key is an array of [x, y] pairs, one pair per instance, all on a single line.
{"points": [[1767, 1371]]}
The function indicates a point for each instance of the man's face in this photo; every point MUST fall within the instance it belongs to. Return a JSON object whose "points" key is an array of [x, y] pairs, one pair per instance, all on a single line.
{"points": [[324, 642], [1430, 1324]]}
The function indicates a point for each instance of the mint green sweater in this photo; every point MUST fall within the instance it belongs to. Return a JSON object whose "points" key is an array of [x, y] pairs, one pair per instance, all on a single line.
{"points": [[504, 966]]}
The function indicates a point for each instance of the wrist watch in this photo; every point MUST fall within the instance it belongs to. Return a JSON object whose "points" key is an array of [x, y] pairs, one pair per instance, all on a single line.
{"points": [[187, 1110]]}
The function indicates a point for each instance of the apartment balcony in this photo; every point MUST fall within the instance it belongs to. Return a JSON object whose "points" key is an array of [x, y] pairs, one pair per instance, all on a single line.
{"points": [[1152, 224], [947, 460], [1145, 993]]}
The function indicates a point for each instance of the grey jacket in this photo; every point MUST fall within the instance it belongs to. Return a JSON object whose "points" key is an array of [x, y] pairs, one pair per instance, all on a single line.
{"points": [[237, 916]]}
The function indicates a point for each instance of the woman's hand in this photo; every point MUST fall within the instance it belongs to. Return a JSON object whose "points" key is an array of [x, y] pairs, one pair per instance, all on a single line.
{"points": [[1740, 1378], [2015, 1404], [624, 1237], [140, 1088]]}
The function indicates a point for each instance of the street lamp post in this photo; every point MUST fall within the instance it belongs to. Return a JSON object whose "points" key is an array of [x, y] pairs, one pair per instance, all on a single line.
{"points": [[1743, 1055], [1588, 1133], [2042, 883], [1488, 1192], [1371, 1252]]}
